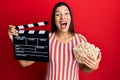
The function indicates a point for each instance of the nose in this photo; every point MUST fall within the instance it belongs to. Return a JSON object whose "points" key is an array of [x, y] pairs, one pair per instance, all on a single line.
{"points": [[62, 16]]}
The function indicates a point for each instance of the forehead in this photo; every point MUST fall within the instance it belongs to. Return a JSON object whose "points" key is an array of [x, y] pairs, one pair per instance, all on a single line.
{"points": [[61, 8]]}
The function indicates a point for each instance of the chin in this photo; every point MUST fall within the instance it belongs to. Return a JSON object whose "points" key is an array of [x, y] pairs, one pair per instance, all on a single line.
{"points": [[64, 31]]}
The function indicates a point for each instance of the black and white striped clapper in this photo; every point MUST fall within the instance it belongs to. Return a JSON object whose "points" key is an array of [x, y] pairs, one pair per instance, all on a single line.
{"points": [[32, 45]]}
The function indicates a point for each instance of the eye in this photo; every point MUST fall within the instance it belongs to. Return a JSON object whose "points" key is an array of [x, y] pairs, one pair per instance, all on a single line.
{"points": [[57, 14], [67, 13]]}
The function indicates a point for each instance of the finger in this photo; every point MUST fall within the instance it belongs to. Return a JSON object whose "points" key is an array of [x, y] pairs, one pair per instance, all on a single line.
{"points": [[11, 34], [89, 61], [99, 57], [90, 57], [11, 26], [88, 64], [91, 65], [12, 30]]}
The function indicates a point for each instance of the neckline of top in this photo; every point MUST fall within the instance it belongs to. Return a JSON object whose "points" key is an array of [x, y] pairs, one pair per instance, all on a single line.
{"points": [[65, 42]]}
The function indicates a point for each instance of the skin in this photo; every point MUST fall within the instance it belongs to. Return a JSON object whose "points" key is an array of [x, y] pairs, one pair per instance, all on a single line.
{"points": [[62, 15]]}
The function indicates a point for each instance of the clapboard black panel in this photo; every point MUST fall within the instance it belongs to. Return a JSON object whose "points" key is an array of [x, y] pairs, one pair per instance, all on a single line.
{"points": [[32, 45]]}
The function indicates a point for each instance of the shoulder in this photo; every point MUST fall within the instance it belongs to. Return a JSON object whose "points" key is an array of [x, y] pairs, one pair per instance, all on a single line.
{"points": [[51, 34], [80, 37]]}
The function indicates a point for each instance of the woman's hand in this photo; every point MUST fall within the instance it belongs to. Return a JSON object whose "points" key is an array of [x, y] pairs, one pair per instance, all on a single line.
{"points": [[12, 31], [91, 63]]}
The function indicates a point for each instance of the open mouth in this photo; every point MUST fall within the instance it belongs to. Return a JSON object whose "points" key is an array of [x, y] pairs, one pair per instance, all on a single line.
{"points": [[63, 25]]}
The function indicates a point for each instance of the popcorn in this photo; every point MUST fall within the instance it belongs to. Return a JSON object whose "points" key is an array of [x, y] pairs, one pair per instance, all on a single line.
{"points": [[84, 49]]}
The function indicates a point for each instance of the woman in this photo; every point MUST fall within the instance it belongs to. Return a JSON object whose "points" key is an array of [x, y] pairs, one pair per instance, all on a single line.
{"points": [[62, 64]]}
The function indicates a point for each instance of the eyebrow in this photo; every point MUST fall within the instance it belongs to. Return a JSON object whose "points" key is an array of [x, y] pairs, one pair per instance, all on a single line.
{"points": [[59, 11]]}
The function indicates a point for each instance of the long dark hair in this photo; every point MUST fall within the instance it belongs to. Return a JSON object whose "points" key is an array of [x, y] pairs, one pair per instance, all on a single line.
{"points": [[54, 28]]}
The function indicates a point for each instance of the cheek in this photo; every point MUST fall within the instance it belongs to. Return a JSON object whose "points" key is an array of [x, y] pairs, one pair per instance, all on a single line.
{"points": [[69, 21], [70, 18], [56, 21]]}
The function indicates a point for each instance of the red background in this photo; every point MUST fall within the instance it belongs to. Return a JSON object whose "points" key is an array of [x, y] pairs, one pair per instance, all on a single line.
{"points": [[98, 20]]}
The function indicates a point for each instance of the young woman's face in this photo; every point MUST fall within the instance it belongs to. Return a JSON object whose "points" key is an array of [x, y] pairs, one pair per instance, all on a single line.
{"points": [[62, 18]]}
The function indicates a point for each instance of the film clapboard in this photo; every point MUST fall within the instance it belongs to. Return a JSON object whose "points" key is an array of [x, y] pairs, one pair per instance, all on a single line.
{"points": [[32, 45]]}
